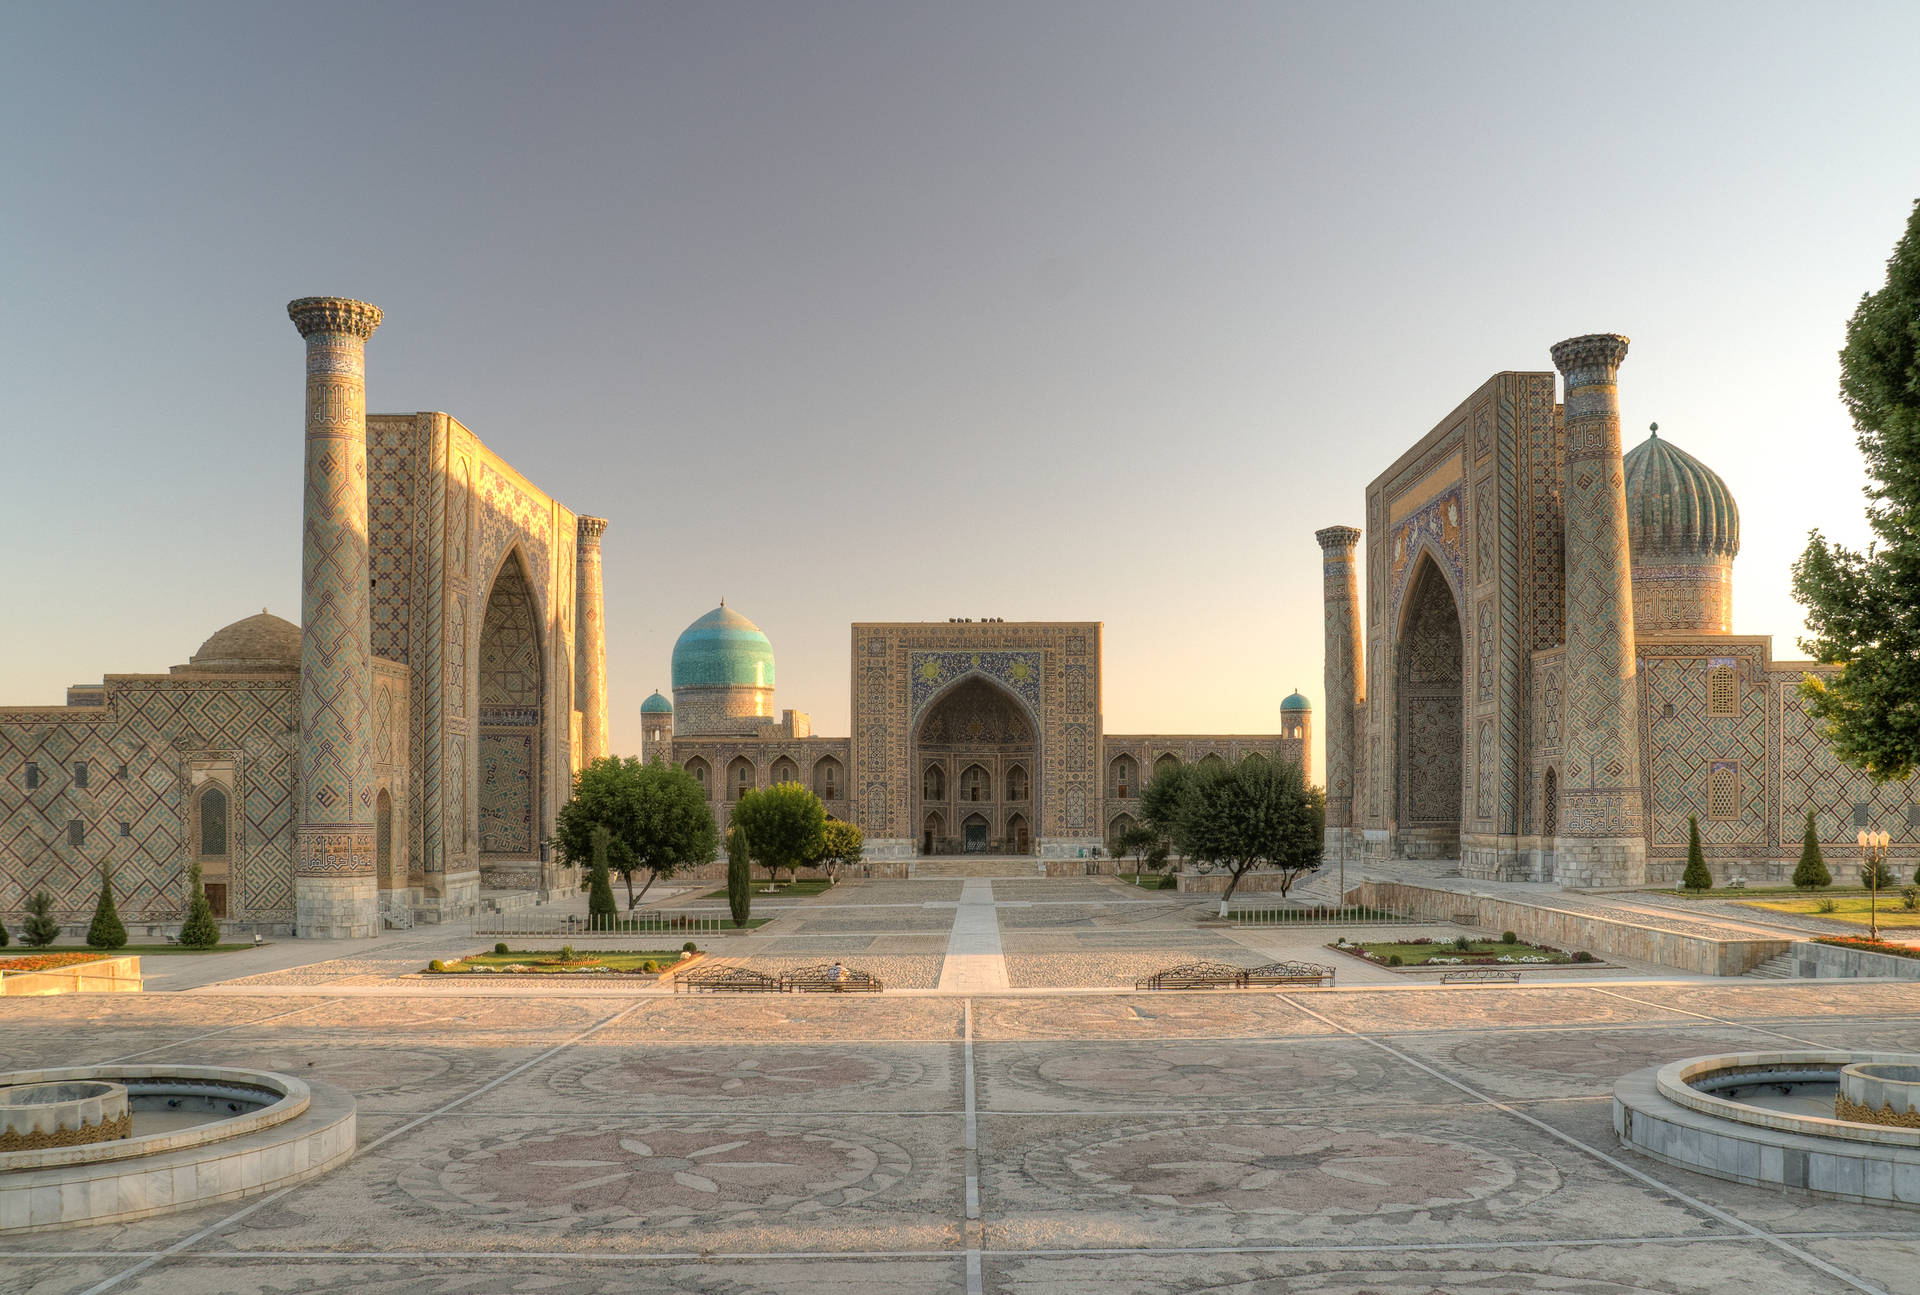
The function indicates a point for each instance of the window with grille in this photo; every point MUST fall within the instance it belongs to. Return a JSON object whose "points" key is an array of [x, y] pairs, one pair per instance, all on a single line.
{"points": [[1723, 789], [33, 775], [213, 822], [80, 773], [1723, 690], [76, 832], [126, 828], [1862, 814]]}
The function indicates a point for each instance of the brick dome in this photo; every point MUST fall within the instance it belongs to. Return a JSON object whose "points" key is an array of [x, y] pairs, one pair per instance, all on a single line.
{"points": [[258, 643]]}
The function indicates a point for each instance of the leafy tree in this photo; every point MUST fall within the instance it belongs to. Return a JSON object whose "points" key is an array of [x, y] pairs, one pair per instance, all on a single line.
{"points": [[1877, 876], [1160, 801], [655, 814], [1861, 606], [785, 823], [1137, 841], [1812, 869], [199, 931], [40, 929], [1696, 877], [1248, 815], [739, 876], [107, 931], [841, 846], [603, 913]]}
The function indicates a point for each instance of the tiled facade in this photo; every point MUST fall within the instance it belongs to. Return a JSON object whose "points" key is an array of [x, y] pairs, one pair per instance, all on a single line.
{"points": [[966, 735], [456, 719], [1500, 587]]}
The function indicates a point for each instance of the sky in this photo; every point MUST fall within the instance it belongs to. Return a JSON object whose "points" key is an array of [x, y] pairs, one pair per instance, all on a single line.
{"points": [[897, 311]]}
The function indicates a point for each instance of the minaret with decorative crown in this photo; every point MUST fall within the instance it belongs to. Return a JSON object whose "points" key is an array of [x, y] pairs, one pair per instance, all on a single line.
{"points": [[1341, 591], [590, 640], [335, 890], [1602, 837]]}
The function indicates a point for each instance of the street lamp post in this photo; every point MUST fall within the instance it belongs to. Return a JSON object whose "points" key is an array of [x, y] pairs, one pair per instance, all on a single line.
{"points": [[1873, 852]]}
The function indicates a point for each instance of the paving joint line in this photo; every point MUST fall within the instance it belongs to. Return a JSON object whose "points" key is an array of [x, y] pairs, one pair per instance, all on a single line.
{"points": [[1717, 1020], [1560, 1135], [195, 1038]]}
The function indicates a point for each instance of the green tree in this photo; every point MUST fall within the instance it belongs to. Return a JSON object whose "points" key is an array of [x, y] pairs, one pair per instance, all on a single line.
{"points": [[199, 931], [785, 824], [107, 931], [739, 876], [1877, 876], [655, 814], [1696, 877], [603, 913], [40, 929], [841, 846], [1136, 841], [5, 939], [1160, 801], [1257, 813], [1811, 872], [1861, 606]]}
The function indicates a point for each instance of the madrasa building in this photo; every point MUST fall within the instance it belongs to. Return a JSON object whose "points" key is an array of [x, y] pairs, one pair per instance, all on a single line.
{"points": [[967, 736], [1542, 680], [404, 745]]}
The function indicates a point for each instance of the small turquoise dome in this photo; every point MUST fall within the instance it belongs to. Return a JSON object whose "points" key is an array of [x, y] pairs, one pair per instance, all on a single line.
{"points": [[1677, 505], [656, 705], [723, 649], [1295, 702]]}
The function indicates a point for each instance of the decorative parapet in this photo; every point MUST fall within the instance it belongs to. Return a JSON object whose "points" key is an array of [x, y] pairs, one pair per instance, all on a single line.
{"points": [[334, 315]]}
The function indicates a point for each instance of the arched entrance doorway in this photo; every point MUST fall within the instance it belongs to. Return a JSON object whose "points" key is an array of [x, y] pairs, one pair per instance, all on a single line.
{"points": [[973, 748], [511, 717], [383, 842], [1431, 729]]}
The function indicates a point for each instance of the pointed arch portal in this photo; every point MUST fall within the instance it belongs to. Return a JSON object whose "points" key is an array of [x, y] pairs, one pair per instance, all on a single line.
{"points": [[1430, 720], [512, 717], [982, 739]]}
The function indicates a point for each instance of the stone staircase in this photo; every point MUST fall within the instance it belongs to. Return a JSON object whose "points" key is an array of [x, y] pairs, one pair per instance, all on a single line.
{"points": [[1023, 866], [1782, 966]]}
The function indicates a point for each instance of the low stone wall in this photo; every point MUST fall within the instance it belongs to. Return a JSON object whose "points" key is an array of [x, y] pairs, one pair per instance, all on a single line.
{"points": [[1573, 930], [105, 976], [1831, 962], [1215, 883]]}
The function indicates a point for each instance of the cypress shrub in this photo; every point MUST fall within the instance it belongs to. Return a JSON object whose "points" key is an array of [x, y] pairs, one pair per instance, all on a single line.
{"points": [[602, 913], [5, 939], [1696, 876], [1877, 877], [739, 877], [1812, 869], [199, 931], [40, 929], [107, 931]]}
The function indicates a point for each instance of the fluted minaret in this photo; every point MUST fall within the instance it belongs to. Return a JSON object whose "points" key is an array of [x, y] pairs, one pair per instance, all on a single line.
{"points": [[1602, 833], [335, 891], [1341, 585], [590, 639]]}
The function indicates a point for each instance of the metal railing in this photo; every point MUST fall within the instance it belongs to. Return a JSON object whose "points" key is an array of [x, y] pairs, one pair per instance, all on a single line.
{"points": [[643, 924], [1320, 915]]}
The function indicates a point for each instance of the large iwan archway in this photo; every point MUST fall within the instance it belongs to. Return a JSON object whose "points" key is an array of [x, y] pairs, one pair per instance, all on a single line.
{"points": [[512, 689], [1430, 722], [972, 754]]}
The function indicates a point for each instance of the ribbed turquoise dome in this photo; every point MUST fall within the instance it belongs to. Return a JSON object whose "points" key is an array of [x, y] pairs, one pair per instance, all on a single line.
{"points": [[656, 705], [1676, 504], [1295, 702], [723, 649]]}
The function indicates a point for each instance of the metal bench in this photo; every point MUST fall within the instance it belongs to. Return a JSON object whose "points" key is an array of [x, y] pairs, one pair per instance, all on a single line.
{"points": [[1289, 973], [1196, 975], [822, 980], [728, 980], [1479, 974]]}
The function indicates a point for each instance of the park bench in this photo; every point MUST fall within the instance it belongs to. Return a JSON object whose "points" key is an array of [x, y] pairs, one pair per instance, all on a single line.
{"points": [[1479, 974], [822, 980], [1196, 975], [728, 980], [1289, 973]]}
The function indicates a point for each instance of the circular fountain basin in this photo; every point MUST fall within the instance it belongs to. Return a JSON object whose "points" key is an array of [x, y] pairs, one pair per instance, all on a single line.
{"points": [[34, 1116], [1766, 1118], [1879, 1092], [198, 1134]]}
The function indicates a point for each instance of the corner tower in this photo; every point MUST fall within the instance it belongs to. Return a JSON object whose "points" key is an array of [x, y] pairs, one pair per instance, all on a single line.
{"points": [[590, 640], [1341, 586], [335, 889], [1601, 830]]}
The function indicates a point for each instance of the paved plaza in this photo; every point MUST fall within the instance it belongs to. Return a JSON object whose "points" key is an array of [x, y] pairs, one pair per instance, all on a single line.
{"points": [[1389, 1135]]}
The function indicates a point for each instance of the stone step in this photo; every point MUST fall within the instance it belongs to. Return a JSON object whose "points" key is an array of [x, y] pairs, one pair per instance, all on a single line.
{"points": [[1782, 966], [976, 865]]}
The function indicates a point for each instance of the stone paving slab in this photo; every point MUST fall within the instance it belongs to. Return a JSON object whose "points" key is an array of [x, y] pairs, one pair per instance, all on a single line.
{"points": [[1506, 1008], [782, 1018], [1222, 1014], [486, 1274]]}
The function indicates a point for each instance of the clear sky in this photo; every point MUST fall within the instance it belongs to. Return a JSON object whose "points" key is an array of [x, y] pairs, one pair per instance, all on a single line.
{"points": [[898, 311]]}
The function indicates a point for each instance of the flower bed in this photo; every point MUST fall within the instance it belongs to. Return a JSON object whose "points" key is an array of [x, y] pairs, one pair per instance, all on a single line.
{"points": [[1427, 951], [1869, 946], [586, 962], [49, 961]]}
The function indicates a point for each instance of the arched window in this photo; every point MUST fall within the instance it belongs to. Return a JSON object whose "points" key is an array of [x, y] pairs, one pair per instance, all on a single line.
{"points": [[1123, 777], [383, 839], [1164, 763], [934, 828], [698, 768], [1017, 837], [785, 770], [1550, 804], [1017, 788], [1723, 691], [933, 783], [1211, 760], [1723, 789], [1122, 824], [211, 816], [976, 784], [739, 777], [826, 778]]}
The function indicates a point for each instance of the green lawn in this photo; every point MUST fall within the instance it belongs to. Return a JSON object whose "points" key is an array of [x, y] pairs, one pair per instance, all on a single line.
{"points": [[1151, 880], [1747, 892], [546, 962], [788, 889], [144, 950], [1418, 955], [1851, 909]]}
